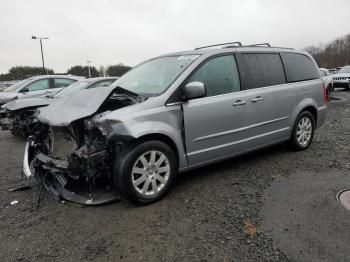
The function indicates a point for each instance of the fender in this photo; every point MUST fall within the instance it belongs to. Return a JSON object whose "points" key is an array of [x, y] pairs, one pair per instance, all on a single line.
{"points": [[308, 102], [137, 130]]}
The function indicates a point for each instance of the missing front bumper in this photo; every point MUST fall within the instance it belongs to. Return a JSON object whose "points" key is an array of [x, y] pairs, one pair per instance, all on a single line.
{"points": [[51, 172], [6, 123]]}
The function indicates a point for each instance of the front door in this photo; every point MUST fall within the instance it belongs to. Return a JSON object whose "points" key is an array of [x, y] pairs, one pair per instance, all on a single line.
{"points": [[212, 122]]}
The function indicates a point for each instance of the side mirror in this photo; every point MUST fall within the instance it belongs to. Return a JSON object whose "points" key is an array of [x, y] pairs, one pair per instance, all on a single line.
{"points": [[193, 90], [23, 90]]}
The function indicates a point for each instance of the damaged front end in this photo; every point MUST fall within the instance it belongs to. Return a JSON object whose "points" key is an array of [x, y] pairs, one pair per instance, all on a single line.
{"points": [[72, 163], [18, 122], [75, 162], [5, 119]]}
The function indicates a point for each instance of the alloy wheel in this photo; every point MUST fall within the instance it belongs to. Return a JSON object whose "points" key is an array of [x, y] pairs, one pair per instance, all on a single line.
{"points": [[304, 131], [150, 173]]}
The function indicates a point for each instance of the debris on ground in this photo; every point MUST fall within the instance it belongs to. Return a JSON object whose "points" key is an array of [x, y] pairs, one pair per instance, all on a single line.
{"points": [[249, 227], [14, 202]]}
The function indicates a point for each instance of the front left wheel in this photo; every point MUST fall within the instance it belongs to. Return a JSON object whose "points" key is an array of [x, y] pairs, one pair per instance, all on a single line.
{"points": [[144, 173]]}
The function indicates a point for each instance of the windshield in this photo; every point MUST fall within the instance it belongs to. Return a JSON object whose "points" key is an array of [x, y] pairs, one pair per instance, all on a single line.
{"points": [[72, 88], [154, 76], [345, 69], [18, 85], [323, 73]]}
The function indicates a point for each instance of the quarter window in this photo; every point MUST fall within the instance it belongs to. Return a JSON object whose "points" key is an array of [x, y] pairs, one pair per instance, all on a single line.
{"points": [[299, 67], [102, 83], [62, 82], [38, 85], [260, 70], [219, 75]]}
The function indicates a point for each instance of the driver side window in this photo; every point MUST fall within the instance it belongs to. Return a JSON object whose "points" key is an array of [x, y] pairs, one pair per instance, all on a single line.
{"points": [[38, 85], [219, 75]]}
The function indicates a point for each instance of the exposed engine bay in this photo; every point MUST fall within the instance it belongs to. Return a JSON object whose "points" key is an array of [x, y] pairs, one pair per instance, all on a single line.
{"points": [[75, 162]]}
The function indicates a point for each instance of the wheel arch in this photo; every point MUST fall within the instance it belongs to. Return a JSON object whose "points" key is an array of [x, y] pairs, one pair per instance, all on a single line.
{"points": [[306, 105], [159, 137], [313, 111]]}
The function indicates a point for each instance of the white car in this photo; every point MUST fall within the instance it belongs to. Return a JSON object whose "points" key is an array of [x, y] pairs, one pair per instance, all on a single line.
{"points": [[37, 86], [327, 79], [342, 78]]}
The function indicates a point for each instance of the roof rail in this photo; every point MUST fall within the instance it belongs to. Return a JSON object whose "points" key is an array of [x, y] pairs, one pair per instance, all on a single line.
{"points": [[232, 43], [261, 44]]}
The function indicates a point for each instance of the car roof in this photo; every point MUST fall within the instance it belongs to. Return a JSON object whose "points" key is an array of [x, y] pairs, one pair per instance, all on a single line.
{"points": [[236, 49], [57, 76]]}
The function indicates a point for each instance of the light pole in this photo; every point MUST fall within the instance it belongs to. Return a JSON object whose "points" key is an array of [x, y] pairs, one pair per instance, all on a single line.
{"points": [[88, 64], [42, 52]]}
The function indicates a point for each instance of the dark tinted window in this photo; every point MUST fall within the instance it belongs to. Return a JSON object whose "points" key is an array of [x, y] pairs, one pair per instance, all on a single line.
{"points": [[219, 75], [102, 83], [260, 70], [62, 82], [299, 67]]}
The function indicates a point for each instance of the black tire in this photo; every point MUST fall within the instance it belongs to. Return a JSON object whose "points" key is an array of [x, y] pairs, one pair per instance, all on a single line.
{"points": [[124, 165], [294, 143], [329, 89]]}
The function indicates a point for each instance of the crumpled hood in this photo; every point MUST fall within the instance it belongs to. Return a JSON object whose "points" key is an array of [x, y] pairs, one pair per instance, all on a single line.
{"points": [[28, 103], [73, 107], [6, 97]]}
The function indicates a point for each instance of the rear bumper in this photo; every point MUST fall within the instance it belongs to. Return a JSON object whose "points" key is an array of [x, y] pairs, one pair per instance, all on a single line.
{"points": [[321, 115]]}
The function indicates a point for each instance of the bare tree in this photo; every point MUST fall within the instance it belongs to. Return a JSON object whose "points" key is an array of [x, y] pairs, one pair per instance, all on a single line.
{"points": [[333, 54]]}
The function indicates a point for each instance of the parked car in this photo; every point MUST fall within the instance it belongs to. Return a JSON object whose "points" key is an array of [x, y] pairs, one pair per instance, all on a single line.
{"points": [[327, 79], [18, 115], [342, 78], [37, 86], [174, 113], [6, 84]]}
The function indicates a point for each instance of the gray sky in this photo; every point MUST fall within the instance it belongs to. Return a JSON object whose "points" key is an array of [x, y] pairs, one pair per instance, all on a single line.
{"points": [[131, 31]]}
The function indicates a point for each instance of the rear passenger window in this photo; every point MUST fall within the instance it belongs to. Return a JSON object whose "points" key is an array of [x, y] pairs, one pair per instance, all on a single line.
{"points": [[260, 70], [219, 75], [299, 67]]}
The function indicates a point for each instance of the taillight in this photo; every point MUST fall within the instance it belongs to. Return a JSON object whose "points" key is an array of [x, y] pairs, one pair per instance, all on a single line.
{"points": [[325, 95]]}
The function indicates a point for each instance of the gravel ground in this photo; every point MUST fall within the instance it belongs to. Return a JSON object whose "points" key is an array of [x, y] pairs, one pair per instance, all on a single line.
{"points": [[212, 214]]}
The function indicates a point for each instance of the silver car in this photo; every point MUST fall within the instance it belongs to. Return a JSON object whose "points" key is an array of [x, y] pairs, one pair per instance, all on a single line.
{"points": [[174, 113], [37, 86]]}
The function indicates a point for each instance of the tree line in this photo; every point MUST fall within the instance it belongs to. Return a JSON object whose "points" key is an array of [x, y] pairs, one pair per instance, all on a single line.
{"points": [[23, 72], [332, 55]]}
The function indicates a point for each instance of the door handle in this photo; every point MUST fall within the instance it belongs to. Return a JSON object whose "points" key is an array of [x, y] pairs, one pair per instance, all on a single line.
{"points": [[239, 103], [257, 99]]}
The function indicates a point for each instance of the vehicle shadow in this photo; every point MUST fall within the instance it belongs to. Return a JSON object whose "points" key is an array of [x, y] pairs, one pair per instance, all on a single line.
{"points": [[227, 167]]}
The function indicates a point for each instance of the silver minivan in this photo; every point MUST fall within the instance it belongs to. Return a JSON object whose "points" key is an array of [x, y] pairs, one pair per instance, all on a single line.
{"points": [[174, 113]]}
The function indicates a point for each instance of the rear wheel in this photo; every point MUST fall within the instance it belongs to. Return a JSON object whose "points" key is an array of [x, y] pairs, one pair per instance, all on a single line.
{"points": [[329, 89], [145, 172], [303, 131]]}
